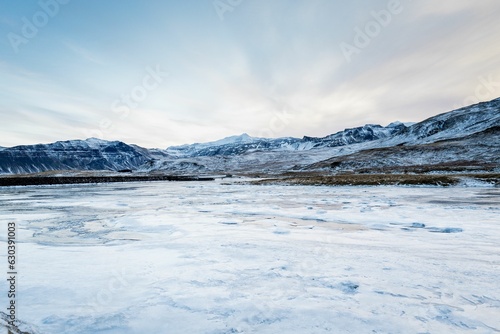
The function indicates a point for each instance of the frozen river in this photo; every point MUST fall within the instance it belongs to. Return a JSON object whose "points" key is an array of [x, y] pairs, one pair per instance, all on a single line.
{"points": [[175, 257]]}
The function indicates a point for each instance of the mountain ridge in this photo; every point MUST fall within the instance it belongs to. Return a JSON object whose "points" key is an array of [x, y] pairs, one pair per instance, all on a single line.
{"points": [[243, 153]]}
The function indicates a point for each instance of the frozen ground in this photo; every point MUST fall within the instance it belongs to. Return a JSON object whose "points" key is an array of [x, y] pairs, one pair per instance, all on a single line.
{"points": [[170, 257]]}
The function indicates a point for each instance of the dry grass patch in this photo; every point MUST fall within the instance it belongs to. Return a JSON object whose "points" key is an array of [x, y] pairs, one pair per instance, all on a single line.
{"points": [[379, 179]]}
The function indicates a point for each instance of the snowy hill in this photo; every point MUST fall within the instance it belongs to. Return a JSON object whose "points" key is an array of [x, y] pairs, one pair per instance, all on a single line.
{"points": [[454, 124], [467, 135], [367, 133], [479, 151], [466, 138]]}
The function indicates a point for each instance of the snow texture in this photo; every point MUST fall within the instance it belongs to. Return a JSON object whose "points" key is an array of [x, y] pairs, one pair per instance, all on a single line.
{"points": [[212, 258]]}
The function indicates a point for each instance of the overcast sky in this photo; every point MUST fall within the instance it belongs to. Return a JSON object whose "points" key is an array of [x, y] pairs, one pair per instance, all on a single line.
{"points": [[162, 72]]}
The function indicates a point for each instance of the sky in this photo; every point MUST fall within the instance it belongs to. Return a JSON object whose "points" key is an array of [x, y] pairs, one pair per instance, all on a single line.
{"points": [[161, 72]]}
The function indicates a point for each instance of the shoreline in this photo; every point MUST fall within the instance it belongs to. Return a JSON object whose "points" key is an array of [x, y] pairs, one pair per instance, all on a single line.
{"points": [[54, 180], [284, 179]]}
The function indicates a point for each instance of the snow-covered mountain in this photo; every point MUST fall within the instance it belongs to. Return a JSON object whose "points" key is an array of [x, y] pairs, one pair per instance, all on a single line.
{"points": [[397, 145], [477, 152], [464, 139], [90, 154], [458, 123], [191, 150], [369, 132], [237, 145], [467, 136]]}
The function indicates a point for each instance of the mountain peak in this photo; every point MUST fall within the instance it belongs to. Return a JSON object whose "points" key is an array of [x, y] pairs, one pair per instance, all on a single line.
{"points": [[395, 124], [243, 138]]}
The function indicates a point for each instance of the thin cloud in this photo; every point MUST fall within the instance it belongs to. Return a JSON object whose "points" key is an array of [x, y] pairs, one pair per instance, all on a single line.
{"points": [[233, 76], [83, 53]]}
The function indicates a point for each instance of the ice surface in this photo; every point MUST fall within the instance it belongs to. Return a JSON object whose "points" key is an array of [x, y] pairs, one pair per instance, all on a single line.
{"points": [[212, 258]]}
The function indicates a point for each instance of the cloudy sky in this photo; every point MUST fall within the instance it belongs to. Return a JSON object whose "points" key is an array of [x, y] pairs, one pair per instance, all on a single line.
{"points": [[163, 72]]}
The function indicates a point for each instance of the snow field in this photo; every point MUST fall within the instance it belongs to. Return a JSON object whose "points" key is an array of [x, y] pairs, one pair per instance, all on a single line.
{"points": [[175, 257]]}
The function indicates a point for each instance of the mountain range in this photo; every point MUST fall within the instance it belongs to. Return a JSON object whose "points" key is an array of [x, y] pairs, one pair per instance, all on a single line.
{"points": [[463, 139]]}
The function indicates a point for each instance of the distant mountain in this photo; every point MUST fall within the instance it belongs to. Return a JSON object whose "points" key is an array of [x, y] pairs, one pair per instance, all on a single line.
{"points": [[233, 140], [237, 145], [226, 146], [463, 137], [90, 154]]}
